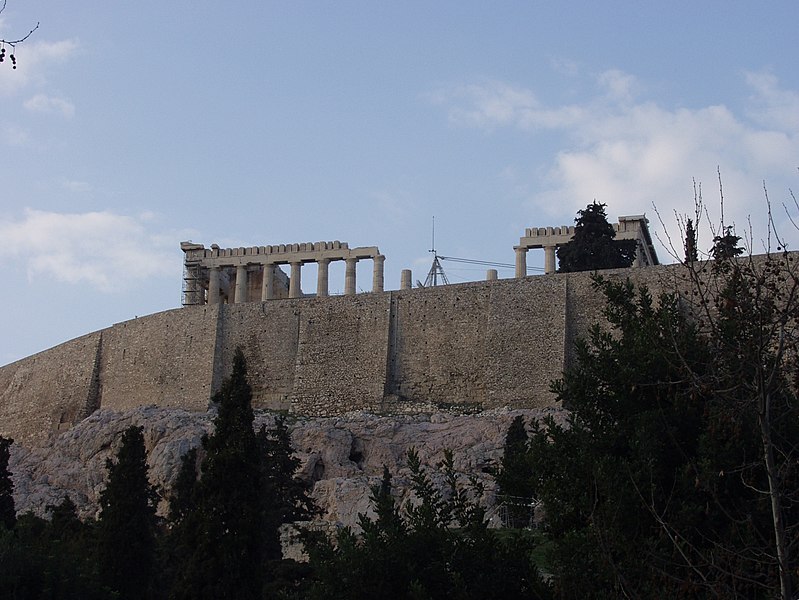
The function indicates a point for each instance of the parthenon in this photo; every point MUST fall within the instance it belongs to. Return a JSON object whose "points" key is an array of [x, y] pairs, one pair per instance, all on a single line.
{"points": [[234, 275]]}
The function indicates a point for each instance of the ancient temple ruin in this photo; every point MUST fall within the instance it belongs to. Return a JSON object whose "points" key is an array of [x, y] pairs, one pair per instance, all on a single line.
{"points": [[633, 227], [234, 275]]}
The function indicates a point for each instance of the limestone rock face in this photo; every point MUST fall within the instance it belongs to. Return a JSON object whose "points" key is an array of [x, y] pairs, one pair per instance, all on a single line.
{"points": [[341, 457]]}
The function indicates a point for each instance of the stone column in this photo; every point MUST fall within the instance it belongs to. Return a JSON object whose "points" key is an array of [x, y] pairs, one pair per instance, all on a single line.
{"points": [[406, 278], [349, 276], [549, 259], [295, 289], [241, 284], [521, 261], [213, 285], [322, 277], [491, 275], [268, 284], [377, 274]]}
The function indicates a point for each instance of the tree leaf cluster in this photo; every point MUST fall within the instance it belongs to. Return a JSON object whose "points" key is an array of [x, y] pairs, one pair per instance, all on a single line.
{"points": [[676, 474]]}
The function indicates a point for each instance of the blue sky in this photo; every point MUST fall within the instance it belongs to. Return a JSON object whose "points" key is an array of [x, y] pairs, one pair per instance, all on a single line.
{"points": [[129, 127]]}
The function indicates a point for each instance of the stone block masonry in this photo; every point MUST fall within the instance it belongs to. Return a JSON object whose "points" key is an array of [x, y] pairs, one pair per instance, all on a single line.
{"points": [[478, 345]]}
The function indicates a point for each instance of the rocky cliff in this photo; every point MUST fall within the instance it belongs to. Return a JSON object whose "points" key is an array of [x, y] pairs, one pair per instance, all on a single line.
{"points": [[341, 456]]}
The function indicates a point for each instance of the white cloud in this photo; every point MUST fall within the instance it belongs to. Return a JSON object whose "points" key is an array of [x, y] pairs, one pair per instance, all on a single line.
{"points": [[78, 187], [497, 104], [633, 154], [773, 107], [43, 103], [109, 252], [33, 60], [618, 85], [14, 135]]}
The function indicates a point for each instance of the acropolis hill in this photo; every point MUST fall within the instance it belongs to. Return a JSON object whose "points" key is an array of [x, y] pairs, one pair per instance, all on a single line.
{"points": [[479, 345]]}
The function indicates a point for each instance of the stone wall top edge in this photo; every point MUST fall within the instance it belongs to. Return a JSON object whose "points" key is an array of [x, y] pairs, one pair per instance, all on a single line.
{"points": [[86, 337], [643, 272]]}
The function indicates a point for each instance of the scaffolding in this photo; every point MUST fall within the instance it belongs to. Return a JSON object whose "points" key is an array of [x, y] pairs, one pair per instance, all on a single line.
{"points": [[192, 291]]}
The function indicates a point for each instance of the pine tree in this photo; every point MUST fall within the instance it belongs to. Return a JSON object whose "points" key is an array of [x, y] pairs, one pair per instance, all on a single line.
{"points": [[725, 246], [593, 246], [127, 522]]}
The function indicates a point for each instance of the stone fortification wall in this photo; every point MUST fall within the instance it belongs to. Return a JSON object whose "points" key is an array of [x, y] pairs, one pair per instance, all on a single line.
{"points": [[165, 359], [313, 356], [485, 345], [481, 345], [341, 355], [268, 333], [48, 391]]}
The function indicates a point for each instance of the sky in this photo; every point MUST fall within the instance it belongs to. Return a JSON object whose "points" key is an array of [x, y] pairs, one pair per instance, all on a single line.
{"points": [[130, 127]]}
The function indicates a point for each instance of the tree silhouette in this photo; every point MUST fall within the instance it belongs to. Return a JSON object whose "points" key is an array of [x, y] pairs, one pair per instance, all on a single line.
{"points": [[8, 515], [593, 246], [126, 527], [691, 251]]}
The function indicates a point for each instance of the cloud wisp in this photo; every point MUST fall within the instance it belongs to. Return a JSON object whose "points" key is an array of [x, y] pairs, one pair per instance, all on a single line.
{"points": [[50, 105], [636, 154], [107, 251], [35, 58]]}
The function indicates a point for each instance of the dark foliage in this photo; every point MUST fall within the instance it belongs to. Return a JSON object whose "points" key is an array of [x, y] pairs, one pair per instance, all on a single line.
{"points": [[126, 527], [725, 247], [658, 486], [55, 559], [439, 547], [8, 514], [515, 477], [593, 246], [691, 251], [224, 523]]}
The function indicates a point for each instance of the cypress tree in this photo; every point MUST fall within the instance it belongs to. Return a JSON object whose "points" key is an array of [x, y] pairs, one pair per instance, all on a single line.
{"points": [[126, 527], [691, 252], [8, 515], [221, 529]]}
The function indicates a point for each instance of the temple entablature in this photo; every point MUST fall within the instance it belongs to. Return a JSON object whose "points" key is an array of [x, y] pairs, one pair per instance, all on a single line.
{"points": [[208, 272], [633, 227]]}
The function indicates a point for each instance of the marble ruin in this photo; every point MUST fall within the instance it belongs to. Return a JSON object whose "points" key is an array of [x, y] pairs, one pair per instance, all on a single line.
{"points": [[234, 275], [633, 227]]}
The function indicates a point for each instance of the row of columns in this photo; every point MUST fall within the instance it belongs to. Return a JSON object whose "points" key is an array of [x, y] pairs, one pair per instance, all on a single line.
{"points": [[295, 279]]}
